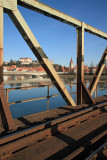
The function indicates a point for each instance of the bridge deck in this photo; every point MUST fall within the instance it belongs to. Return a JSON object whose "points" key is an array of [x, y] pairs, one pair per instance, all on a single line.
{"points": [[66, 144]]}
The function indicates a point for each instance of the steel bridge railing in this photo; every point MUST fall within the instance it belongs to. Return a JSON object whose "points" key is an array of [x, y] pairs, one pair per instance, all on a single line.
{"points": [[34, 99], [45, 97]]}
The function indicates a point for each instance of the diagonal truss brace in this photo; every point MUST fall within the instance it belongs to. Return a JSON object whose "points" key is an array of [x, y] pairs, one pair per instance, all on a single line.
{"points": [[9, 4], [86, 96], [30, 39], [98, 73], [6, 120], [60, 16]]}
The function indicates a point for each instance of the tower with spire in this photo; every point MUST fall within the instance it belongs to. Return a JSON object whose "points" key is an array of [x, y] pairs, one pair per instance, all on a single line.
{"points": [[71, 63]]}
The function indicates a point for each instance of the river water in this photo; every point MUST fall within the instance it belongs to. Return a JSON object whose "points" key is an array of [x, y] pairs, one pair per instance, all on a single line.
{"points": [[26, 108]]}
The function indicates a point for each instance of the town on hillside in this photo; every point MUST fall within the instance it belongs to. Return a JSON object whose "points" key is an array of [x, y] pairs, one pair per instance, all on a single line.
{"points": [[28, 64]]}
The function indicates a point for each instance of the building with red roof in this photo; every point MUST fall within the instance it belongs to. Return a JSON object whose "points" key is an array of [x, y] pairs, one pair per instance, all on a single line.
{"points": [[86, 69], [40, 69], [25, 60], [9, 68]]}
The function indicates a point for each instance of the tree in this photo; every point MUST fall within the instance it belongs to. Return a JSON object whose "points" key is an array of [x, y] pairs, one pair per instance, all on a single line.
{"points": [[60, 68], [11, 63], [18, 64], [91, 65]]}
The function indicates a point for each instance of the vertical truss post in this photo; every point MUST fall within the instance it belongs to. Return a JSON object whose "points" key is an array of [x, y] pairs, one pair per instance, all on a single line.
{"points": [[48, 97], [86, 96], [96, 91], [80, 63], [30, 39], [6, 119], [83, 94], [1, 44], [7, 95], [98, 73]]}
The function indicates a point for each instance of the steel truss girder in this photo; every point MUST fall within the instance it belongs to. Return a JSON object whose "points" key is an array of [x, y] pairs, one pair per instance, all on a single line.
{"points": [[6, 120], [86, 96], [80, 63], [51, 12], [98, 73], [60, 16], [9, 4], [30, 39], [83, 95]]}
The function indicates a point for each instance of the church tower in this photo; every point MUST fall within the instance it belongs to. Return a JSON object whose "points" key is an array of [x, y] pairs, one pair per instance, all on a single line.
{"points": [[71, 63]]}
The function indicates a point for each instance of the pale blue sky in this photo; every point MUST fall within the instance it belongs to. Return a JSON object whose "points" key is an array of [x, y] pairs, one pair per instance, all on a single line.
{"points": [[57, 39]]}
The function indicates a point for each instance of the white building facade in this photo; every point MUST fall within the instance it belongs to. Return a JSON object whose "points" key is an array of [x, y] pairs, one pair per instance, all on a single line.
{"points": [[25, 60]]}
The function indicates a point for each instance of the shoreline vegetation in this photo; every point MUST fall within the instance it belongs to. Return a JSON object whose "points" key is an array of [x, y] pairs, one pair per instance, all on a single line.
{"points": [[45, 78], [85, 76], [88, 76], [103, 77]]}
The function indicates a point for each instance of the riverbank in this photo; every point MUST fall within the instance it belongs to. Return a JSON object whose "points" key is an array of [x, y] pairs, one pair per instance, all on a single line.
{"points": [[45, 79], [86, 77]]}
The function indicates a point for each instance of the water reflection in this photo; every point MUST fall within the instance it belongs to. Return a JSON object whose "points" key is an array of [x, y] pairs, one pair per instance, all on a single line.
{"points": [[27, 108], [17, 77], [23, 81], [102, 85]]}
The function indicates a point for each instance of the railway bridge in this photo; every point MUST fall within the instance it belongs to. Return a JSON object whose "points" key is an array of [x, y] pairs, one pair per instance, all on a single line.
{"points": [[70, 132]]}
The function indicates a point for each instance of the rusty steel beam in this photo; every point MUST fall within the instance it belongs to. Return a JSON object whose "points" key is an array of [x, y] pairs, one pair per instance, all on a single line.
{"points": [[83, 95], [51, 123], [9, 4], [6, 119], [80, 63], [86, 96], [98, 73], [87, 144], [98, 154], [60, 16], [1, 44], [34, 99], [30, 39], [29, 139]]}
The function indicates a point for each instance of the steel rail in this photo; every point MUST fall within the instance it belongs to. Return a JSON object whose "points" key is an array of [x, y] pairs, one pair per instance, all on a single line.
{"points": [[19, 140], [73, 118], [81, 149], [94, 154], [60, 16], [34, 99]]}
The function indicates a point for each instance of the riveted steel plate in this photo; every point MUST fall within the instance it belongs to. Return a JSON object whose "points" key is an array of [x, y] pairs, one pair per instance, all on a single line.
{"points": [[30, 2], [9, 4]]}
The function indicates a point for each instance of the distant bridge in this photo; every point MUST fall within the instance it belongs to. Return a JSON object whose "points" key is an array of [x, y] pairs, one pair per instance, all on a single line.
{"points": [[38, 74], [25, 73]]}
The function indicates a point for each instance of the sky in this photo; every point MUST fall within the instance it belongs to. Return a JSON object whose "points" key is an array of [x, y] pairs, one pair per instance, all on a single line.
{"points": [[59, 40]]}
